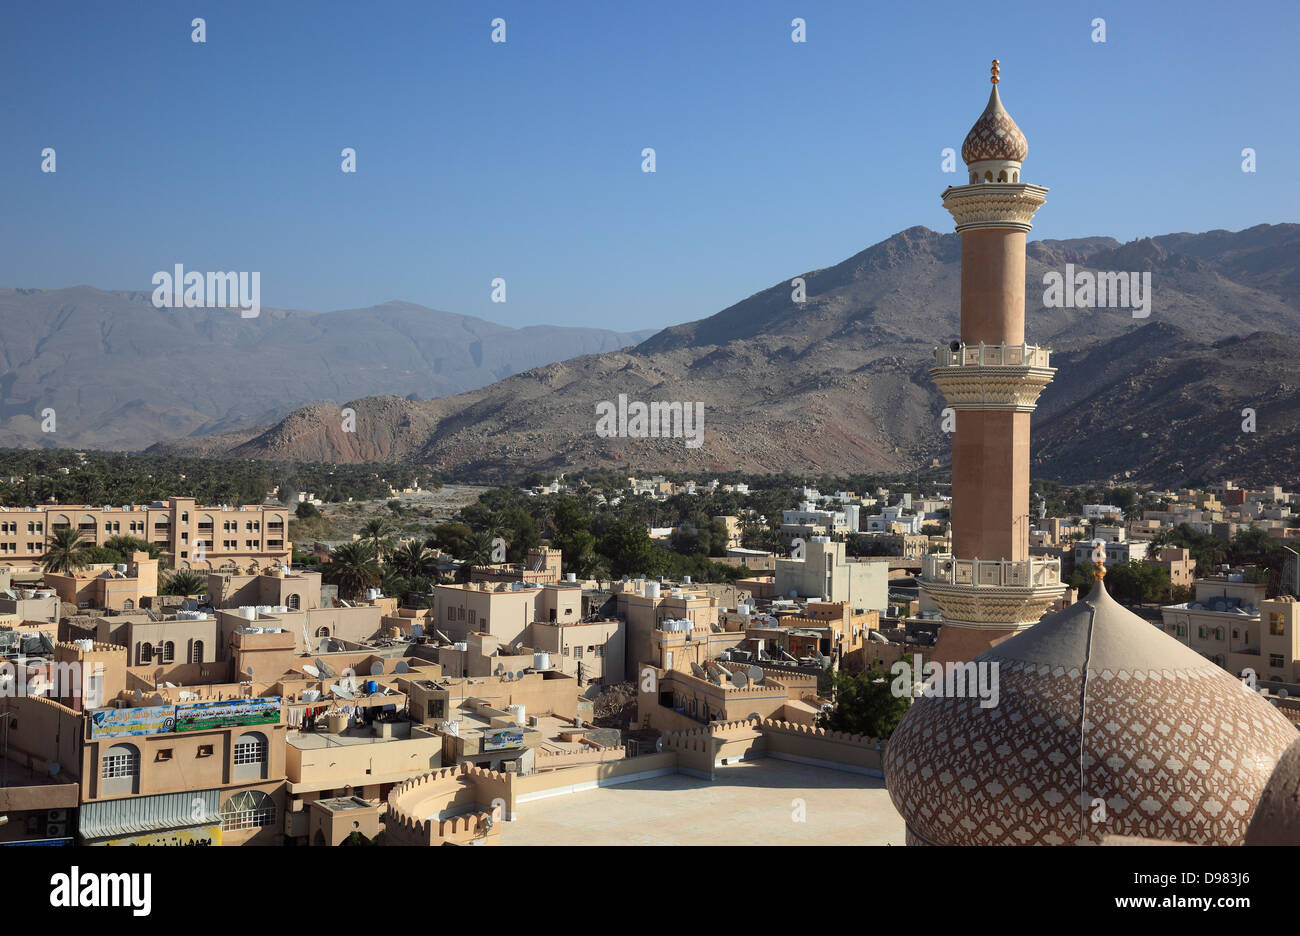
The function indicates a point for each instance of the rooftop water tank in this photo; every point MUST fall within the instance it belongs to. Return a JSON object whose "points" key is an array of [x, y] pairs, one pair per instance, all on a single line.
{"points": [[652, 589], [541, 661]]}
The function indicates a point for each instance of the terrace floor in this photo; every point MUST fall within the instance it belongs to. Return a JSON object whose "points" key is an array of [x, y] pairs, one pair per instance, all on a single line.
{"points": [[751, 803]]}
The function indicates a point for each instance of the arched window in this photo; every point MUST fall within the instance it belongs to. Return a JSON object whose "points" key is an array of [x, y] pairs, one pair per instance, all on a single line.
{"points": [[248, 809], [119, 771], [293, 603], [322, 632], [1002, 176], [128, 605], [196, 650], [145, 654], [1015, 176], [988, 177], [250, 756], [168, 652]]}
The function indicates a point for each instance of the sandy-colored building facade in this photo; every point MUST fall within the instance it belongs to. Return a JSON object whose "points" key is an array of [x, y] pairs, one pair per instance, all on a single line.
{"points": [[191, 536]]}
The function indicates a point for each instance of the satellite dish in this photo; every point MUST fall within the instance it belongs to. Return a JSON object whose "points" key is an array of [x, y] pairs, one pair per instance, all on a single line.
{"points": [[740, 679], [248, 671], [755, 674], [659, 744], [376, 668], [139, 695], [311, 670], [401, 667], [53, 767], [698, 670], [510, 676]]}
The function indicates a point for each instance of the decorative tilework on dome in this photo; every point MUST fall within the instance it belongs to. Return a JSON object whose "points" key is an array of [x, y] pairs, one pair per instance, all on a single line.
{"points": [[994, 136]]}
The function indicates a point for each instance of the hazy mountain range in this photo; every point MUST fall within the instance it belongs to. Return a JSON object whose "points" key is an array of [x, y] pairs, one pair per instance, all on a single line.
{"points": [[840, 383], [121, 374]]}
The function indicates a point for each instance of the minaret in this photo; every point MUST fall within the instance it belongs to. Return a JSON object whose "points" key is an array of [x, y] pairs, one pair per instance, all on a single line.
{"points": [[989, 588]]}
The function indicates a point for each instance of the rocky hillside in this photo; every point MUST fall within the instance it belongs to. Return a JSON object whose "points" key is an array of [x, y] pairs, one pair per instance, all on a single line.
{"points": [[120, 374], [840, 382]]}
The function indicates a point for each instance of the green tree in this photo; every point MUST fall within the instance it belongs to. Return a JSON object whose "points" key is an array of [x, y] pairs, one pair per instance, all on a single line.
{"points": [[306, 510], [630, 550], [414, 560], [865, 704], [184, 582], [126, 545], [378, 534], [353, 567], [65, 552]]}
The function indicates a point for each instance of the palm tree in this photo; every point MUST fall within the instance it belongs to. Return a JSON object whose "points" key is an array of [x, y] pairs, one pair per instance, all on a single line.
{"points": [[65, 553], [376, 533], [414, 560], [185, 582], [353, 567], [478, 549]]}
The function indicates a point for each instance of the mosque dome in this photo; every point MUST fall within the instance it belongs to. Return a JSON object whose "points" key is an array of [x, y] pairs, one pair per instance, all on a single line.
{"points": [[995, 136], [1104, 725]]}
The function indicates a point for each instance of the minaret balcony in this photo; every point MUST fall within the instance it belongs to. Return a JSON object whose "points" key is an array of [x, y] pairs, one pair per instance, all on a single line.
{"points": [[994, 594], [1004, 206], [992, 377], [1020, 573]]}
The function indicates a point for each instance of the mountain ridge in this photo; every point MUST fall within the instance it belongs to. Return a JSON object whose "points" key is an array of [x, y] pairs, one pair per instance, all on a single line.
{"points": [[840, 382]]}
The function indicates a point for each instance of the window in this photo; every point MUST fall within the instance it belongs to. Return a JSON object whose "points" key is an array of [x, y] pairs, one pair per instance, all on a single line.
{"points": [[168, 652], [250, 756], [577, 653], [250, 809], [119, 770], [120, 763], [293, 603], [146, 654], [196, 651], [1276, 626], [322, 632], [1275, 660]]}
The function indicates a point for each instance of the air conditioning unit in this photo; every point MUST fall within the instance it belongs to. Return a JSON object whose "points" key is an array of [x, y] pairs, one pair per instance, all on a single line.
{"points": [[56, 829], [56, 815]]}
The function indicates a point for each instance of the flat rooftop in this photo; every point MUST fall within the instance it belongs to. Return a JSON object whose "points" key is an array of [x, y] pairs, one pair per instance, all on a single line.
{"points": [[751, 803]]}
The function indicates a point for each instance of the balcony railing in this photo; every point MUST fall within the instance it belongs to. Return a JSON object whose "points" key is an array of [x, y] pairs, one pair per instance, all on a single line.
{"points": [[998, 573], [994, 355]]}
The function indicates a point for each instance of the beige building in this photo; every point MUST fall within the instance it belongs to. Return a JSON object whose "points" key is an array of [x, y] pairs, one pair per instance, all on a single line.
{"points": [[505, 610], [646, 605], [191, 536], [207, 771], [1178, 563], [825, 574], [1223, 623], [111, 587]]}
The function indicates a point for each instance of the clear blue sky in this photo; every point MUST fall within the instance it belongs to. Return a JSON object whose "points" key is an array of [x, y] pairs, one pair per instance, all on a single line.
{"points": [[522, 160]]}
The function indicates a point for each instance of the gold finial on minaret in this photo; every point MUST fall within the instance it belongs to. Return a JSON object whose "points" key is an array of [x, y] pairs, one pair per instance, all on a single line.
{"points": [[1099, 561], [995, 71]]}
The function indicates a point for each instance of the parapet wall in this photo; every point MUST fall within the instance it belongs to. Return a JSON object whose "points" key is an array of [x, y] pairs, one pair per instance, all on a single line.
{"points": [[834, 749], [474, 792]]}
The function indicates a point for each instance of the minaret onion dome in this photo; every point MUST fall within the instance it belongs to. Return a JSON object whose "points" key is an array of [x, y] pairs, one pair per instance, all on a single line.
{"points": [[995, 148]]}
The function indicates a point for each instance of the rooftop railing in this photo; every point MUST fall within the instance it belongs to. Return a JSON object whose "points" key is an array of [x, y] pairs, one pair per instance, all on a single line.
{"points": [[993, 355], [1022, 573]]}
